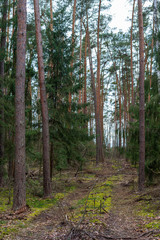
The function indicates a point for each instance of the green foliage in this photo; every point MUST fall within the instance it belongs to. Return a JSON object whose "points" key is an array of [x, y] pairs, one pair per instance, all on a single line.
{"points": [[152, 136]]}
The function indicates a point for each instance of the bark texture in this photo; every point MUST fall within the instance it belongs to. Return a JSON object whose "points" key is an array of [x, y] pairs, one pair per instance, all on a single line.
{"points": [[141, 101], [19, 195], [44, 105]]}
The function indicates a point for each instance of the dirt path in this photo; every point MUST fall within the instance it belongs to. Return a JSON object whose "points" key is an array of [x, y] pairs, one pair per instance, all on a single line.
{"points": [[120, 222]]}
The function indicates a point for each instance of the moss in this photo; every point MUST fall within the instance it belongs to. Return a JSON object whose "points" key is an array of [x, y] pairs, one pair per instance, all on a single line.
{"points": [[153, 225], [97, 202]]}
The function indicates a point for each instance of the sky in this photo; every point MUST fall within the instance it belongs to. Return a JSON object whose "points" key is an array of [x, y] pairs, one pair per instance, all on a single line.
{"points": [[120, 10]]}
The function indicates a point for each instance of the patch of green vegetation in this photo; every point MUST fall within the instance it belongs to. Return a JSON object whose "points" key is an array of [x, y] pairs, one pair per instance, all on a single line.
{"points": [[153, 225], [70, 189], [4, 200], [148, 210], [97, 202], [38, 205], [5, 230]]}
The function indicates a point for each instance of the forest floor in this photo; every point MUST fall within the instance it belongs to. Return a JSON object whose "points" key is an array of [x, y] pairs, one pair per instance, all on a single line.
{"points": [[104, 204]]}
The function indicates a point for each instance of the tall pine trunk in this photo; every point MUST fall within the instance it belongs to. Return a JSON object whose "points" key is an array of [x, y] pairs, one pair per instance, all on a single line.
{"points": [[141, 102], [73, 25], [19, 194], [157, 40], [99, 146], [98, 89], [132, 52], [2, 57], [44, 105]]}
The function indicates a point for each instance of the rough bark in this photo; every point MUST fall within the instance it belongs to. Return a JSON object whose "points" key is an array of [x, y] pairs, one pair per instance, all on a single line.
{"points": [[44, 105], [141, 181], [19, 194], [2, 57]]}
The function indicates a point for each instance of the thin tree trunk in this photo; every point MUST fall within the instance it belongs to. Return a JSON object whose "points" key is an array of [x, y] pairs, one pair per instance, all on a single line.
{"points": [[141, 181], [80, 57], [85, 75], [157, 40], [150, 77], [132, 52], [19, 194], [99, 147], [44, 105], [51, 15], [2, 57], [115, 120], [98, 89], [73, 25]]}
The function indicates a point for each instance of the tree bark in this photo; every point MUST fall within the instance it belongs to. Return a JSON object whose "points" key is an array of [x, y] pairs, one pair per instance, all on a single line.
{"points": [[99, 146], [19, 194], [73, 25], [44, 105], [141, 181], [80, 57], [85, 75], [98, 89], [132, 52], [157, 40], [2, 57]]}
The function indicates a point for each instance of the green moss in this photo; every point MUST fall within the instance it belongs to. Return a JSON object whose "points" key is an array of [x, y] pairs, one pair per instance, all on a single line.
{"points": [[153, 225], [97, 202]]}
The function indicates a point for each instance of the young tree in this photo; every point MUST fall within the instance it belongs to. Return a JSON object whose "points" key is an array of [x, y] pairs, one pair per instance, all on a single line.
{"points": [[141, 101], [19, 194], [44, 105]]}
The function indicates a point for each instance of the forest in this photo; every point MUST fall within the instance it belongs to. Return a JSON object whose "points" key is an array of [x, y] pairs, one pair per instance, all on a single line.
{"points": [[79, 120]]}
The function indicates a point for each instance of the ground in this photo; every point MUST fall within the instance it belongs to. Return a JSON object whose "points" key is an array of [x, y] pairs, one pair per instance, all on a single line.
{"points": [[103, 204]]}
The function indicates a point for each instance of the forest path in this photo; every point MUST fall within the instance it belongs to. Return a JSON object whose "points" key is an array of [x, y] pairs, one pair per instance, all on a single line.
{"points": [[118, 222]]}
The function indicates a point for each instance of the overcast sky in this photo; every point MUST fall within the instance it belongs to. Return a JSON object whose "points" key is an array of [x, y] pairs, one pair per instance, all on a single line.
{"points": [[120, 10]]}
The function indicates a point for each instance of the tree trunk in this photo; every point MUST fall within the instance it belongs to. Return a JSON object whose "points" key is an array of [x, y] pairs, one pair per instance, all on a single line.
{"points": [[44, 105], [132, 52], [157, 40], [73, 25], [80, 57], [141, 181], [19, 194], [98, 89], [2, 57], [99, 147], [85, 75], [51, 15], [150, 75]]}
